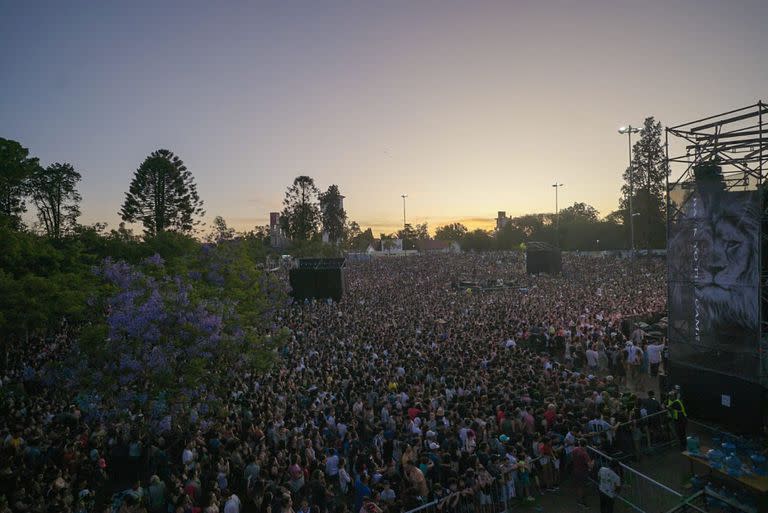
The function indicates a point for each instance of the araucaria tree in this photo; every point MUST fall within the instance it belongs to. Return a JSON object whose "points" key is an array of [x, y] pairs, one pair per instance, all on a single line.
{"points": [[300, 216], [163, 195], [54, 192], [332, 212], [15, 168], [648, 173]]}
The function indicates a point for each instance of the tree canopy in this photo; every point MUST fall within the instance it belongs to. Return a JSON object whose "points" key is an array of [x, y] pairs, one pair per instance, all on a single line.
{"points": [[54, 192], [333, 216], [163, 195], [15, 168], [300, 217]]}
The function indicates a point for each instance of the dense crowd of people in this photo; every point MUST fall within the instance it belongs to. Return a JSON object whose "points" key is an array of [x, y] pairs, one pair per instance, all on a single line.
{"points": [[411, 389]]}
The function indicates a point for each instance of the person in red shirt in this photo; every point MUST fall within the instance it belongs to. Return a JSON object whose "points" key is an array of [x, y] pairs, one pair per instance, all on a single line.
{"points": [[582, 464], [550, 415]]}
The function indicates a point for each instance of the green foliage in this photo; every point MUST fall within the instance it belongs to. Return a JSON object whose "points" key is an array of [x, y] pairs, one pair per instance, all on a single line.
{"points": [[300, 217], [451, 232], [54, 192], [478, 240], [41, 284], [509, 237], [579, 212], [16, 166], [333, 215], [220, 232], [162, 195], [359, 240], [410, 234], [313, 248]]}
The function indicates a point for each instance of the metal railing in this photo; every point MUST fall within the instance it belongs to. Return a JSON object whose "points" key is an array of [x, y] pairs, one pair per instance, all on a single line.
{"points": [[640, 492], [493, 497]]}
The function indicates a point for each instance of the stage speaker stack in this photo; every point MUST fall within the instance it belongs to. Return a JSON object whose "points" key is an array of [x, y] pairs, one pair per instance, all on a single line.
{"points": [[318, 278], [541, 257]]}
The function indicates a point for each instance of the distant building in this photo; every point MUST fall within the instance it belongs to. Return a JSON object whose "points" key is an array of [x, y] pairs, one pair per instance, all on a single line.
{"points": [[385, 246], [277, 238], [438, 246], [501, 220]]}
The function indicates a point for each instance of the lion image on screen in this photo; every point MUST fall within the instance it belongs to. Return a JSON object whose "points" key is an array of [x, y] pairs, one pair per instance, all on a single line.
{"points": [[715, 247]]}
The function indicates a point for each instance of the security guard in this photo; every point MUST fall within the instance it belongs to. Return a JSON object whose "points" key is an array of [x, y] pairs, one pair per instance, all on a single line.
{"points": [[677, 415]]}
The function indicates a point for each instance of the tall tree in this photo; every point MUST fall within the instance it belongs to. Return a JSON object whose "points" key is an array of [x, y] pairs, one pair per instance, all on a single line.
{"points": [[351, 231], [361, 241], [163, 195], [422, 231], [54, 192], [478, 240], [301, 215], [332, 212], [220, 232], [452, 232], [579, 212], [648, 173], [509, 237], [15, 168]]}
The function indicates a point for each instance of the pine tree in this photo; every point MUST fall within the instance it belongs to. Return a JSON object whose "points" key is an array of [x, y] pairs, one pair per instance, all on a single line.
{"points": [[163, 195], [649, 174], [332, 213], [54, 192], [301, 216]]}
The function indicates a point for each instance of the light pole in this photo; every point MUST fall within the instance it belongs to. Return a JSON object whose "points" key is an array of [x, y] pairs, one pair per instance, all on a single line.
{"points": [[629, 130], [557, 214], [405, 246], [403, 196]]}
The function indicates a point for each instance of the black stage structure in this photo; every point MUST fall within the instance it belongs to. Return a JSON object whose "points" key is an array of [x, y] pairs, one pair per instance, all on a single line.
{"points": [[541, 257], [717, 287], [318, 278]]}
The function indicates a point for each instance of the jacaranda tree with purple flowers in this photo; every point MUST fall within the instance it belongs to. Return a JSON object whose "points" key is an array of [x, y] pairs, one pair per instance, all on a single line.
{"points": [[172, 337]]}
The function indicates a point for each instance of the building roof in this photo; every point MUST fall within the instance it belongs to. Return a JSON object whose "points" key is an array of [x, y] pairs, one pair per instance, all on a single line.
{"points": [[433, 245]]}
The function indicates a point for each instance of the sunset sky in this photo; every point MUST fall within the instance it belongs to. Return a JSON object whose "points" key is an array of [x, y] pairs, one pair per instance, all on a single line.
{"points": [[469, 107]]}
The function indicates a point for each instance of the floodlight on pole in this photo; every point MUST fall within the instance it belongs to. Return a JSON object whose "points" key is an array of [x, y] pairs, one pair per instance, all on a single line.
{"points": [[557, 186], [404, 196], [629, 130]]}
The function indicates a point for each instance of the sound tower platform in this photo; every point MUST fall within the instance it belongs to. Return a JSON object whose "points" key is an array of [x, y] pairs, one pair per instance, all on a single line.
{"points": [[716, 266]]}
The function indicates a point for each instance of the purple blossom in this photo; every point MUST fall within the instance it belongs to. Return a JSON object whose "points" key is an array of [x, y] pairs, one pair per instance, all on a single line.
{"points": [[155, 260]]}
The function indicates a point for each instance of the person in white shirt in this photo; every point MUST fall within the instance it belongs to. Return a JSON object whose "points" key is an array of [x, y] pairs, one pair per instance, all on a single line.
{"points": [[654, 357], [332, 465], [609, 483], [232, 505]]}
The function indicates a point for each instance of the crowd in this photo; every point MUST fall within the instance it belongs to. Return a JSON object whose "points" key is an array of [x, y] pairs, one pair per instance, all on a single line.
{"points": [[408, 390]]}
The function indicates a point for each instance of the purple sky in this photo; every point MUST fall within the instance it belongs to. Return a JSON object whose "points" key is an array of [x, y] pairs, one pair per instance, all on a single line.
{"points": [[469, 107]]}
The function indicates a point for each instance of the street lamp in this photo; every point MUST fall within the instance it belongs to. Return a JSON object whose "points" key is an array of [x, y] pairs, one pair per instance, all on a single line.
{"points": [[557, 213], [629, 130], [403, 196]]}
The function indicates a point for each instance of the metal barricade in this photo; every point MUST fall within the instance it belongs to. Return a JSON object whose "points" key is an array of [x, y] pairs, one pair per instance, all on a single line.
{"points": [[640, 492], [491, 498]]}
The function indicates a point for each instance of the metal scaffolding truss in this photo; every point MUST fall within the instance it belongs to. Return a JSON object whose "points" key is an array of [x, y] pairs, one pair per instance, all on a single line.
{"points": [[737, 142]]}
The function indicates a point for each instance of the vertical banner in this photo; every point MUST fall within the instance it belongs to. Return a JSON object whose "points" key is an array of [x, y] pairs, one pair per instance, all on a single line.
{"points": [[714, 295]]}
